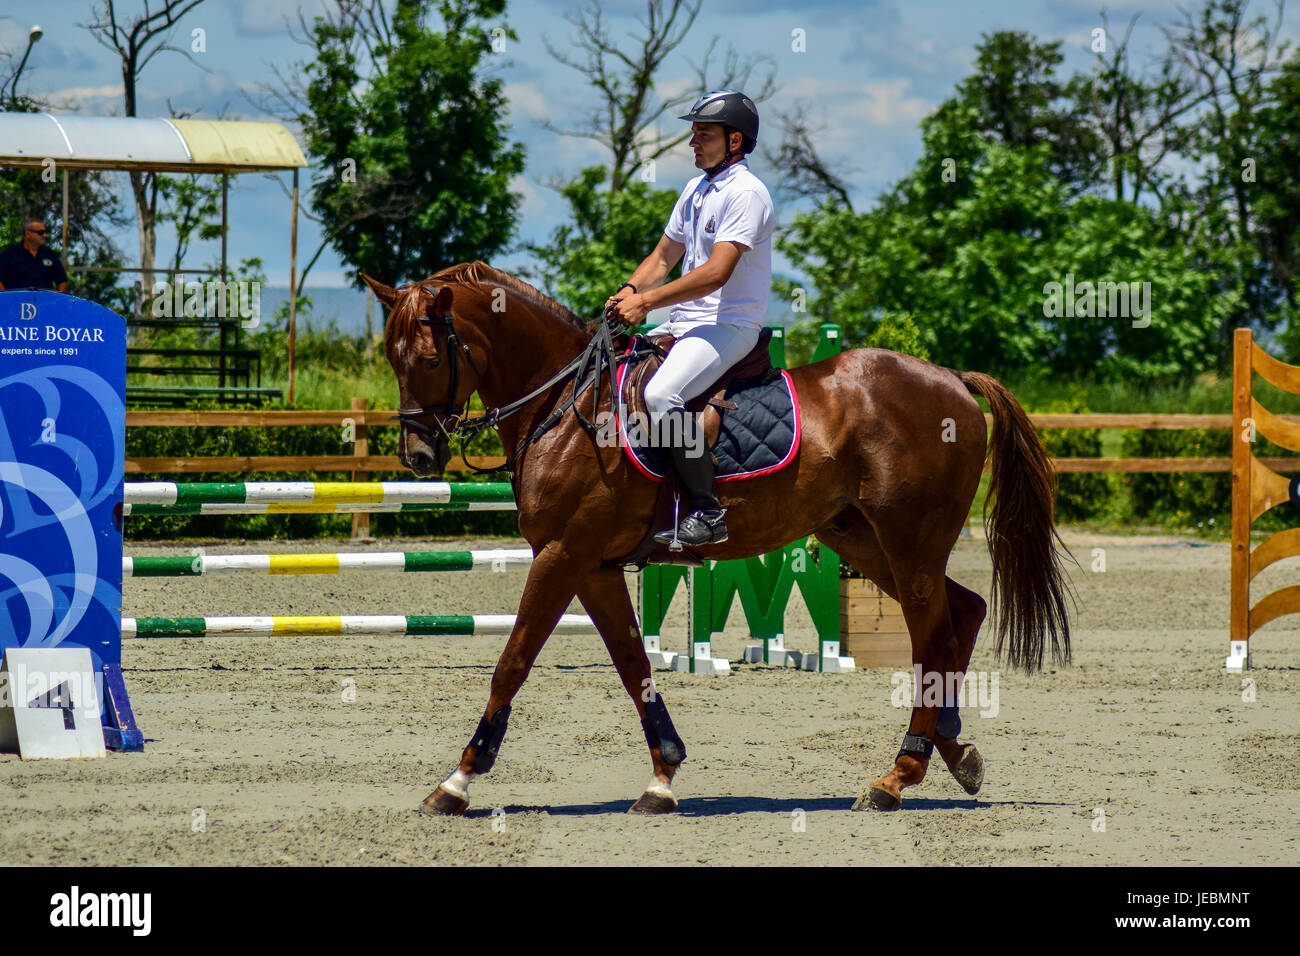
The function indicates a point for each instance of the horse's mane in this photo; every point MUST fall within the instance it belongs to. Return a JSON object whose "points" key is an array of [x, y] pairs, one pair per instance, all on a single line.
{"points": [[483, 278]]}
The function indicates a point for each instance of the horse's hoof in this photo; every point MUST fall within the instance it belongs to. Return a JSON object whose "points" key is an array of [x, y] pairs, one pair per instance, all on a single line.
{"points": [[654, 803], [969, 770], [442, 803], [878, 799]]}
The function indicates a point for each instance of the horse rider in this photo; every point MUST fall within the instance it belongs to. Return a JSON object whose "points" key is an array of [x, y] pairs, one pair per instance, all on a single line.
{"points": [[722, 223]]}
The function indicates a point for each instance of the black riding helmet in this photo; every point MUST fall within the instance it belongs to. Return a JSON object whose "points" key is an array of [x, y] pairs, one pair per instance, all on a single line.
{"points": [[730, 108]]}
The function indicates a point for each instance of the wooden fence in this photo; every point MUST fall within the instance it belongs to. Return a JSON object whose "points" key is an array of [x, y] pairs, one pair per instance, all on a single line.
{"points": [[360, 462], [1257, 486]]}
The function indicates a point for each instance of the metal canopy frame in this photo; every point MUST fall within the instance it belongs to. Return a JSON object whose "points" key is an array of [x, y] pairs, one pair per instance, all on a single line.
{"points": [[134, 144]]}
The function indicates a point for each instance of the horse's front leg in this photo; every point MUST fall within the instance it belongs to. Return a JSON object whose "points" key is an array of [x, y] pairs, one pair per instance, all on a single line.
{"points": [[604, 595], [547, 593]]}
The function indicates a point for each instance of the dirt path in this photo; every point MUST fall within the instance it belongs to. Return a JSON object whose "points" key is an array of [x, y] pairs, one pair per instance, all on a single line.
{"points": [[253, 737]]}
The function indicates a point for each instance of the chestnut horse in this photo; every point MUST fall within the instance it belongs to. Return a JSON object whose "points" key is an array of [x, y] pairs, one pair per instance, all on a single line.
{"points": [[890, 461]]}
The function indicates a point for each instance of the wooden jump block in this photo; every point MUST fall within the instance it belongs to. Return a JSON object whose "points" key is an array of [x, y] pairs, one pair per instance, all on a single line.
{"points": [[872, 629]]}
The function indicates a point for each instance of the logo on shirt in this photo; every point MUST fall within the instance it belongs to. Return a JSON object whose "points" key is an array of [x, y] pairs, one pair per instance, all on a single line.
{"points": [[708, 227], [47, 262]]}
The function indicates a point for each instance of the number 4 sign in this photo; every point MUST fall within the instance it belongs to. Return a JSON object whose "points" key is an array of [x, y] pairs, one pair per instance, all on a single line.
{"points": [[49, 703]]}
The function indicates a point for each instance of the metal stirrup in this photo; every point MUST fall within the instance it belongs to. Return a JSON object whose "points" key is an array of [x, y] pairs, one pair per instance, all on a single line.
{"points": [[675, 544]]}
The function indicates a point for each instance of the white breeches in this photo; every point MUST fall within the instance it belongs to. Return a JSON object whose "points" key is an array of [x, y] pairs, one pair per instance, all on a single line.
{"points": [[698, 358]]}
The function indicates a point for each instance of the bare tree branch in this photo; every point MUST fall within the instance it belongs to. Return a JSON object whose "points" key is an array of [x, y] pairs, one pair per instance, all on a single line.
{"points": [[1229, 59], [623, 74], [286, 98], [136, 42], [806, 174]]}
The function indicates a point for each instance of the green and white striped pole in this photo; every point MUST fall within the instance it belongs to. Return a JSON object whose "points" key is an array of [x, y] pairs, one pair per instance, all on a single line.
{"points": [[447, 625]]}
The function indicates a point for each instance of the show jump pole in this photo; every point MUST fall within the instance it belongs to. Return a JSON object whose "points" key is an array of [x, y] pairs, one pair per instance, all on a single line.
{"points": [[293, 282]]}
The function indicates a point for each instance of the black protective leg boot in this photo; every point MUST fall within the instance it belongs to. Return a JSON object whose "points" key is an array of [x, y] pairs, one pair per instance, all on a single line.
{"points": [[705, 524]]}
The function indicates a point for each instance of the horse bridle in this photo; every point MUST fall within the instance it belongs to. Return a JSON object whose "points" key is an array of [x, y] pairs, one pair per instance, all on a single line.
{"points": [[447, 411]]}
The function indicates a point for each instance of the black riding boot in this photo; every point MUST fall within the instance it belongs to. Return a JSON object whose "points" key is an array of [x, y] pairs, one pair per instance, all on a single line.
{"points": [[705, 524]]}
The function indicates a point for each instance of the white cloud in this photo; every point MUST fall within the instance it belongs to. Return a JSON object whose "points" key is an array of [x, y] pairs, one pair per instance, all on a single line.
{"points": [[1094, 7], [1080, 40], [527, 102], [552, 153], [534, 201], [76, 97], [258, 17], [13, 36], [681, 86], [888, 103]]}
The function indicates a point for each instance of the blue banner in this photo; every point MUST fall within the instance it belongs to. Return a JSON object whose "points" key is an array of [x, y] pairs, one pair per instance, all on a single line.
{"points": [[62, 447]]}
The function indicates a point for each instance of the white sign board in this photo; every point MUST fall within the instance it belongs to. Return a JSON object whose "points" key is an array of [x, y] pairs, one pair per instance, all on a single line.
{"points": [[49, 703]]}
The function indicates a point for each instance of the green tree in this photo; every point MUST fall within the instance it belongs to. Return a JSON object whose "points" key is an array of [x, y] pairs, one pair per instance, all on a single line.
{"points": [[1141, 118], [608, 235], [93, 209], [628, 112], [1015, 98], [1005, 204], [613, 228], [1276, 231], [193, 208], [977, 277], [1230, 56], [407, 128], [137, 41]]}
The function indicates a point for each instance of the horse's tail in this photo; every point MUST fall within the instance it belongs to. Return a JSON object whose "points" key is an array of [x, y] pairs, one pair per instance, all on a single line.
{"points": [[1029, 583]]}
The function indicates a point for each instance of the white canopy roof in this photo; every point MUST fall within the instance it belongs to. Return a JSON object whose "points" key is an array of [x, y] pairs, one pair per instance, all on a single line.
{"points": [[112, 142]]}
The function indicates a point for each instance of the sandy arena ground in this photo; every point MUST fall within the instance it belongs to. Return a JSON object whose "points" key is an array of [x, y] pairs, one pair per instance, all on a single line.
{"points": [[253, 735]]}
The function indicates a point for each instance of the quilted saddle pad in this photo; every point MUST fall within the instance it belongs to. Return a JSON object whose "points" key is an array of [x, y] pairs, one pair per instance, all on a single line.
{"points": [[758, 437]]}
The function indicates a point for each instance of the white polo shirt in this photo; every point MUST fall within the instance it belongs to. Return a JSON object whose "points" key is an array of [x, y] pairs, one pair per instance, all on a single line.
{"points": [[734, 206]]}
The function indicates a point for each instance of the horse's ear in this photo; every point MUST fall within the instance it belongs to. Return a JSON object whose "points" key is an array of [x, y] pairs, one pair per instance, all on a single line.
{"points": [[440, 305], [386, 293]]}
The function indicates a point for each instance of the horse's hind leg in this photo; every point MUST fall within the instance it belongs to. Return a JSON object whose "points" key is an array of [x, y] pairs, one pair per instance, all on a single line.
{"points": [[951, 617], [546, 595], [926, 611], [604, 595], [963, 760], [924, 598]]}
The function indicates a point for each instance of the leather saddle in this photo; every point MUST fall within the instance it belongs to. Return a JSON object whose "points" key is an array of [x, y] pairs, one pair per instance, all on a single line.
{"points": [[755, 367]]}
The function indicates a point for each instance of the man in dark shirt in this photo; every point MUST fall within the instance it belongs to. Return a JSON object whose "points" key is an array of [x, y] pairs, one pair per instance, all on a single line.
{"points": [[31, 264]]}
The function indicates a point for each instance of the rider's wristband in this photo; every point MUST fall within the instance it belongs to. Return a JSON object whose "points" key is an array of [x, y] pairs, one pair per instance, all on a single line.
{"points": [[625, 285]]}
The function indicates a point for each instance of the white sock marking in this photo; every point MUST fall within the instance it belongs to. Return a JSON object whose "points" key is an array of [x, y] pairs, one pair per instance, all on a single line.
{"points": [[458, 784]]}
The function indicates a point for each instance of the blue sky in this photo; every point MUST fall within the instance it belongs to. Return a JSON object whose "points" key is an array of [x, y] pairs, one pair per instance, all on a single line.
{"points": [[872, 69]]}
